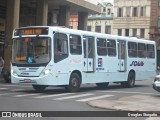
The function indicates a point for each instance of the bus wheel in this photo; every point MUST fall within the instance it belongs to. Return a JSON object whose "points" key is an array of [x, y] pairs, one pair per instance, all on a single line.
{"points": [[39, 88], [131, 81], [74, 83], [102, 85]]}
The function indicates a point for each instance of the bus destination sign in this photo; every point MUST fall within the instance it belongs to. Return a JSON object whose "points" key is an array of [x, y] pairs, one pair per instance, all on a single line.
{"points": [[31, 31]]}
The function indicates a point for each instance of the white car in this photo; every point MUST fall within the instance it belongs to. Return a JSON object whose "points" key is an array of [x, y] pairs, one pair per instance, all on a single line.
{"points": [[156, 84]]}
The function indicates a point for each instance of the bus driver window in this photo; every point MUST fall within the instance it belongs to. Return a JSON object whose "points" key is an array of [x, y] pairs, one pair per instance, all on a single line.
{"points": [[60, 47]]}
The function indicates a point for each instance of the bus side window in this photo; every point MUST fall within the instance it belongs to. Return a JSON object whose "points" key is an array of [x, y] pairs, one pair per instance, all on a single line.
{"points": [[141, 50], [101, 47], [75, 44], [60, 47], [150, 51], [132, 49], [111, 46]]}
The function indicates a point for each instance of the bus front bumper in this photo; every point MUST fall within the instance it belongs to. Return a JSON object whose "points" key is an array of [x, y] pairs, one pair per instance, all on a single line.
{"points": [[49, 79], [31, 80]]}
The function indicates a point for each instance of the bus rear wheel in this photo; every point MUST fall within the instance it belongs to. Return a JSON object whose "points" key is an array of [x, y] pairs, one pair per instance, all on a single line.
{"points": [[130, 82], [74, 83], [39, 88], [102, 85]]}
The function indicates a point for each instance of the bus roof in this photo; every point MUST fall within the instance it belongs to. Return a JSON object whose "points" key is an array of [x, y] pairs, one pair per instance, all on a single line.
{"points": [[89, 33]]}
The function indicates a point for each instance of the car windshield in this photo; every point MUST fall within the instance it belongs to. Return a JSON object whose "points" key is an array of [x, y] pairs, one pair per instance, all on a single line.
{"points": [[31, 50]]}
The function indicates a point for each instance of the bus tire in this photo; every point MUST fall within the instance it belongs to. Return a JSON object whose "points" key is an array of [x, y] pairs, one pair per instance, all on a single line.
{"points": [[74, 83], [130, 82], [39, 88], [102, 85]]}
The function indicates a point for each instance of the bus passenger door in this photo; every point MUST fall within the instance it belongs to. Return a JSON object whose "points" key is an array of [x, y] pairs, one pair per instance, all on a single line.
{"points": [[121, 55], [88, 46]]}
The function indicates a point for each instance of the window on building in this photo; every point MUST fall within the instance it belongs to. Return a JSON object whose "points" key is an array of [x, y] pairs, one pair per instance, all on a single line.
{"points": [[142, 31], [142, 11], [88, 28], [134, 33], [158, 22], [150, 51], [103, 15], [98, 29], [109, 11], [104, 9], [135, 11], [120, 32], [93, 15], [99, 14], [158, 2], [101, 47], [141, 50], [126, 32], [128, 11], [75, 44], [120, 12], [108, 29], [111, 47], [132, 49]]}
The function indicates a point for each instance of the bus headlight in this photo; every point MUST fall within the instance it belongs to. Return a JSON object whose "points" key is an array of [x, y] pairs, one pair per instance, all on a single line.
{"points": [[14, 73], [46, 72]]}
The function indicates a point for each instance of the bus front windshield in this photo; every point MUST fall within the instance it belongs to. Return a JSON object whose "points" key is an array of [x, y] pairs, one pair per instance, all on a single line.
{"points": [[31, 50]]}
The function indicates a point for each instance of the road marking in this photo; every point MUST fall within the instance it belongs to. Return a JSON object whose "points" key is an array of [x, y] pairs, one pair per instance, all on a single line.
{"points": [[25, 86], [24, 95], [94, 98], [75, 96], [4, 88], [6, 94], [55, 95], [9, 85], [130, 92], [20, 85], [17, 90]]}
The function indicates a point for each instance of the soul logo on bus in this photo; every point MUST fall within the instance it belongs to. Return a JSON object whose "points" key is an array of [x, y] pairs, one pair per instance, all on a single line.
{"points": [[137, 63]]}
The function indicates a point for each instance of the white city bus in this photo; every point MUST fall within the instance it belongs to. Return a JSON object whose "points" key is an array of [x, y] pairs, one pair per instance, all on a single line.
{"points": [[57, 56]]}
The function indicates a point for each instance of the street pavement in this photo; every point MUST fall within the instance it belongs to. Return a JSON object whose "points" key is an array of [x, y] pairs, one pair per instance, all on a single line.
{"points": [[139, 103], [128, 103]]}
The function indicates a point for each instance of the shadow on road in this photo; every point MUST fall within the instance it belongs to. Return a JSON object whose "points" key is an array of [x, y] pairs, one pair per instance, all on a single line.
{"points": [[60, 90]]}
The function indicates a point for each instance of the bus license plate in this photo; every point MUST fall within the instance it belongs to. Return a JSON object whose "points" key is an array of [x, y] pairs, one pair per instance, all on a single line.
{"points": [[27, 80]]}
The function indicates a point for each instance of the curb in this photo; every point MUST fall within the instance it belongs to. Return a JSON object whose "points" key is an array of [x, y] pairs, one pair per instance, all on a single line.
{"points": [[130, 103]]}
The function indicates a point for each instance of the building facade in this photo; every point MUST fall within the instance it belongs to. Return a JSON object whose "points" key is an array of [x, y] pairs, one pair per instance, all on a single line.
{"points": [[73, 22], [2, 24], [132, 18], [155, 22], [102, 22]]}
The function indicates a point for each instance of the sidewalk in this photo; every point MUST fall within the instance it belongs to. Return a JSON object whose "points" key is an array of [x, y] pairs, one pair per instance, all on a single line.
{"points": [[131, 103]]}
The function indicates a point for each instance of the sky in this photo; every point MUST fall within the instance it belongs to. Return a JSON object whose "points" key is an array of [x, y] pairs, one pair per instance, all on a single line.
{"points": [[95, 1]]}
